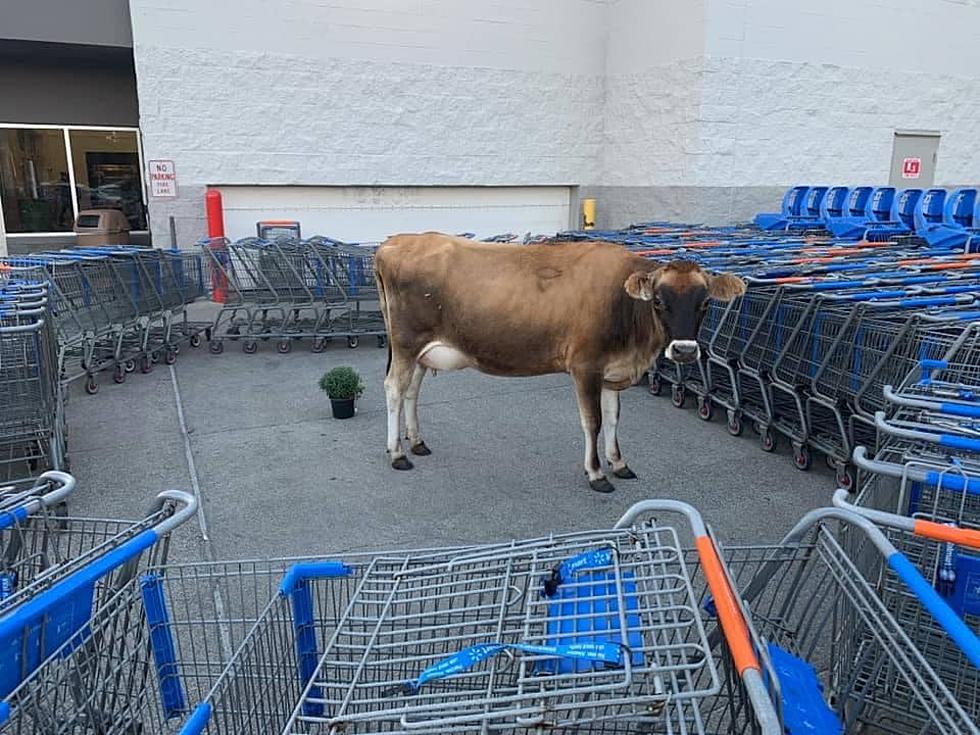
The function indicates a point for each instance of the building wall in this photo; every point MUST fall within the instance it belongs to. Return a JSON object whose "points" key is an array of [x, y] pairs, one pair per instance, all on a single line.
{"points": [[750, 96], [87, 22], [367, 92], [837, 90], [63, 89], [699, 111]]}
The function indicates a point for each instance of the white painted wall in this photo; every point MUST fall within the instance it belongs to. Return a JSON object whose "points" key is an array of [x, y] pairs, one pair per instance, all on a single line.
{"points": [[371, 214], [633, 94], [653, 92], [752, 93], [814, 90], [367, 92]]}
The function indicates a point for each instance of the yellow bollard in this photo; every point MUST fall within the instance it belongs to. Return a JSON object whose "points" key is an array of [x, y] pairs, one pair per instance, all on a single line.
{"points": [[588, 214]]}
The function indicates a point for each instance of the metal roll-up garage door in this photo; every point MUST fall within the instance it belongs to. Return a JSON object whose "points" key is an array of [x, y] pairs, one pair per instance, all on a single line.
{"points": [[371, 213]]}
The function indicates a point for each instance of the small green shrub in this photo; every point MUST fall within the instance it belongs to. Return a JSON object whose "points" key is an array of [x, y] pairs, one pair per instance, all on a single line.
{"points": [[341, 383]]}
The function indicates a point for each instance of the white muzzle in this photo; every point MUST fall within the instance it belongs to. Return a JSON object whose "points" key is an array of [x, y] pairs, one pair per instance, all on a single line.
{"points": [[683, 350]]}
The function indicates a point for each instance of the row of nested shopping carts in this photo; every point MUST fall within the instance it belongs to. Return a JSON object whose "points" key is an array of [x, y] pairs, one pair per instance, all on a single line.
{"points": [[863, 617], [288, 290], [32, 424], [67, 316], [824, 324], [116, 308], [291, 289]]}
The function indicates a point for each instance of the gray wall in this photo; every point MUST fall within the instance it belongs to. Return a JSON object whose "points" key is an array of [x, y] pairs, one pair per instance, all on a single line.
{"points": [[90, 22], [57, 85]]}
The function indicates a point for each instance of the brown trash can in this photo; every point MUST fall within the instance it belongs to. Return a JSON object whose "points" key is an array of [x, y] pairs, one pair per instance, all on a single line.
{"points": [[101, 227]]}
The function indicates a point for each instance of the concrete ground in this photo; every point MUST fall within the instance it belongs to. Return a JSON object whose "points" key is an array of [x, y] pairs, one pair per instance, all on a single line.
{"points": [[252, 435]]}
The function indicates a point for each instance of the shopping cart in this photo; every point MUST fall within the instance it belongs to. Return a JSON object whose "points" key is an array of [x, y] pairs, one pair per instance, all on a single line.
{"points": [[55, 618], [58, 544], [599, 631], [22, 557], [841, 610], [32, 428], [291, 289]]}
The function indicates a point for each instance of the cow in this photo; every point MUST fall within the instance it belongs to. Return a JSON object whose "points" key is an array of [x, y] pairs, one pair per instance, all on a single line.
{"points": [[590, 309]]}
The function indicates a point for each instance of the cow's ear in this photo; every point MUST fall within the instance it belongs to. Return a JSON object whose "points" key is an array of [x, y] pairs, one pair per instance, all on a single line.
{"points": [[640, 285], [725, 287]]}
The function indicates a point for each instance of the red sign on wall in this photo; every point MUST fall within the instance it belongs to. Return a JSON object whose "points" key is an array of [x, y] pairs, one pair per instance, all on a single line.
{"points": [[911, 168]]}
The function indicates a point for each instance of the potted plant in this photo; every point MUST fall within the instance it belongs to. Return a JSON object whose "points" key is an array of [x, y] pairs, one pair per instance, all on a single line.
{"points": [[343, 386]]}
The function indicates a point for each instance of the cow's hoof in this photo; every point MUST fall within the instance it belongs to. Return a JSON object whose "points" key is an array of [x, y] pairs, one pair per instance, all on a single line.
{"points": [[401, 463], [602, 485], [420, 450], [625, 473]]}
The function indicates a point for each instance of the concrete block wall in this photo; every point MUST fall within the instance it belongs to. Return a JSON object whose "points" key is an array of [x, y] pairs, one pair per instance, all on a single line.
{"points": [[700, 111], [817, 88], [367, 92], [746, 97]]}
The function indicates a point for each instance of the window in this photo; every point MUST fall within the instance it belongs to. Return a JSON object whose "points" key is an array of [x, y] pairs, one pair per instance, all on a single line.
{"points": [[38, 166], [107, 173], [34, 184]]}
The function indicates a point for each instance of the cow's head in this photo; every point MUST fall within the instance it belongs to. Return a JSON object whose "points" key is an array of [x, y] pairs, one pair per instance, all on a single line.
{"points": [[678, 294]]}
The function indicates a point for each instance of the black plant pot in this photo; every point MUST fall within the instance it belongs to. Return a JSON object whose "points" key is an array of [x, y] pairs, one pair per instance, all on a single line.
{"points": [[343, 408]]}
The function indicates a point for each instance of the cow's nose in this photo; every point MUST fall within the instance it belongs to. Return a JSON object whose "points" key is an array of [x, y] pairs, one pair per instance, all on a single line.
{"points": [[683, 350]]}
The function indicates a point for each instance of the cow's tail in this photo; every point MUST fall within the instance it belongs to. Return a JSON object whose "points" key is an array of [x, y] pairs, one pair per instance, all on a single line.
{"points": [[383, 301]]}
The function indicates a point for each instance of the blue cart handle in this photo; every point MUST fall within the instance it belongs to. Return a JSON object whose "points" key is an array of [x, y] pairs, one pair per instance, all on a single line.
{"points": [[601, 652], [14, 621], [940, 611], [937, 607]]}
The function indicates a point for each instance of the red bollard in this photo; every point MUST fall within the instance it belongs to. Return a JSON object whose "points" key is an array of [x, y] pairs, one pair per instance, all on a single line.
{"points": [[215, 214], [216, 233]]}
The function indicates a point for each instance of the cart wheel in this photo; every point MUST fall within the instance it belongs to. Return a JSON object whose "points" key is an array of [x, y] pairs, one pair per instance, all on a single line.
{"points": [[250, 347], [845, 477], [155, 357], [91, 387], [705, 409], [318, 345], [382, 341], [678, 395], [216, 347], [195, 341], [352, 342], [767, 439], [655, 387], [801, 457], [170, 357], [146, 365], [284, 346], [734, 424], [129, 366], [176, 349], [831, 462], [119, 374]]}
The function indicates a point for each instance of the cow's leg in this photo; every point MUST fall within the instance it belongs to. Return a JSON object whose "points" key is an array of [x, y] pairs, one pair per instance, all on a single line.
{"points": [[396, 386], [588, 390], [415, 443], [610, 420]]}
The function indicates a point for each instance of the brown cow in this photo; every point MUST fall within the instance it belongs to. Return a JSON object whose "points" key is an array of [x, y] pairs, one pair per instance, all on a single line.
{"points": [[592, 310]]}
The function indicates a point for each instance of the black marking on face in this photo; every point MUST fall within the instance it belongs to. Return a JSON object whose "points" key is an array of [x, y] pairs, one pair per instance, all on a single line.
{"points": [[681, 310]]}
